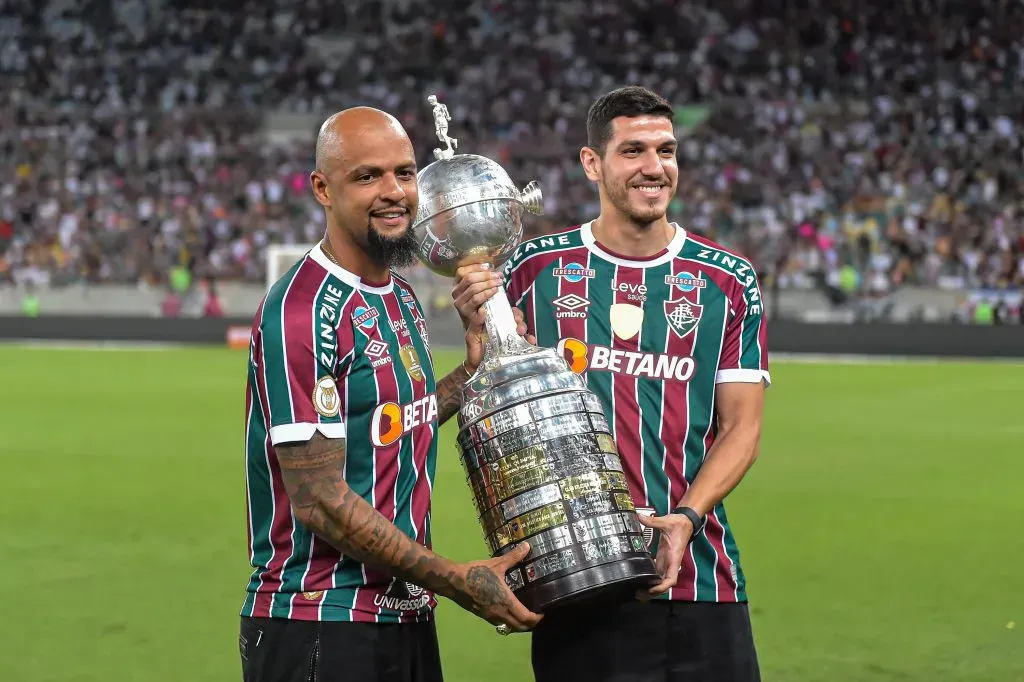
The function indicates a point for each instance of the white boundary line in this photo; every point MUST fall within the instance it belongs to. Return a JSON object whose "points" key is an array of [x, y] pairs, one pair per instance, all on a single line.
{"points": [[47, 344], [852, 359], [793, 358]]}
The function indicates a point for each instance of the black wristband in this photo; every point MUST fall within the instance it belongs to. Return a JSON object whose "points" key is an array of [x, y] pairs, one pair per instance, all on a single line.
{"points": [[696, 519]]}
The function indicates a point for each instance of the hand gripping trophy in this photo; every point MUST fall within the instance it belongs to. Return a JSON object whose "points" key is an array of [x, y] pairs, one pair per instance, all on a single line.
{"points": [[534, 441]]}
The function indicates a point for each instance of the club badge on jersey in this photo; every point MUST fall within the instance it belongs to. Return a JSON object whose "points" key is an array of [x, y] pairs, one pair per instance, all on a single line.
{"points": [[410, 303], [421, 326], [682, 316]]}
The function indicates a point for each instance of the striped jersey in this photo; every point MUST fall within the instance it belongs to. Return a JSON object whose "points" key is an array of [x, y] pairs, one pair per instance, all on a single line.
{"points": [[653, 338], [335, 354]]}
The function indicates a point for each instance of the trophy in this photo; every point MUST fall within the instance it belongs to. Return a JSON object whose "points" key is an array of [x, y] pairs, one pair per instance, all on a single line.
{"points": [[534, 440]]}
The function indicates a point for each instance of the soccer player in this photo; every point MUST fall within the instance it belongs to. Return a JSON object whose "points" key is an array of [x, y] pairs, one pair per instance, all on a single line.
{"points": [[341, 440], [669, 330]]}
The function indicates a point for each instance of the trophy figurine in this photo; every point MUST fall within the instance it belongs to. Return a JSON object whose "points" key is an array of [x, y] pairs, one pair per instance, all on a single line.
{"points": [[441, 118], [534, 440]]}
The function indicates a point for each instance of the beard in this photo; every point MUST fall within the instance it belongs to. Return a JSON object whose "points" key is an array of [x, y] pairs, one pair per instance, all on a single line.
{"points": [[642, 214], [391, 253]]}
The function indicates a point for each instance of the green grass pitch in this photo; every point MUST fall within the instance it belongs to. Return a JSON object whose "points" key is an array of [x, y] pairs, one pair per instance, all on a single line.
{"points": [[880, 529]]}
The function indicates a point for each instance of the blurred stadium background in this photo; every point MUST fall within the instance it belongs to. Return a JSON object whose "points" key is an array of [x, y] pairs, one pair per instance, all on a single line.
{"points": [[866, 155]]}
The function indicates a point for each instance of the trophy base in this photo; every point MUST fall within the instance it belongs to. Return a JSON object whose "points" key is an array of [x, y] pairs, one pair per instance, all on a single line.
{"points": [[614, 581]]}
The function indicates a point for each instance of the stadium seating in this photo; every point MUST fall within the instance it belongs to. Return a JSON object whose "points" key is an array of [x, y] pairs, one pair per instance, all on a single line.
{"points": [[852, 152]]}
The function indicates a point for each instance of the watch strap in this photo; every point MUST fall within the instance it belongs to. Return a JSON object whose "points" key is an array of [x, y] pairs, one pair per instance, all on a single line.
{"points": [[696, 519]]}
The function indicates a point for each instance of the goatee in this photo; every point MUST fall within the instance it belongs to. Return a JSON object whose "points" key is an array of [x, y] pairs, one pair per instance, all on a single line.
{"points": [[392, 253]]}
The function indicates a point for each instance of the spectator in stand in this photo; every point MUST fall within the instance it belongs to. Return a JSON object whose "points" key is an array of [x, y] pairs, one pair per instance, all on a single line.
{"points": [[819, 137], [212, 307]]}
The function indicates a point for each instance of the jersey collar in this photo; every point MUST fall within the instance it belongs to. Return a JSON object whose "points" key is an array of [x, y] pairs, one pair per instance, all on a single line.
{"points": [[670, 252], [353, 280]]}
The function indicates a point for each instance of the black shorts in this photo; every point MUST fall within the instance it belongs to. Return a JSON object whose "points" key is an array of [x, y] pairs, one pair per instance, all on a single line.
{"points": [[646, 642], [281, 650]]}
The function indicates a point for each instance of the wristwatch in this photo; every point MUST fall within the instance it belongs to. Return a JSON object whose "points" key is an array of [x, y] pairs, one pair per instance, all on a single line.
{"points": [[696, 519]]}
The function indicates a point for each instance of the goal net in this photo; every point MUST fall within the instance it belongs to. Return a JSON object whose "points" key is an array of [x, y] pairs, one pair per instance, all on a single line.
{"points": [[281, 257]]}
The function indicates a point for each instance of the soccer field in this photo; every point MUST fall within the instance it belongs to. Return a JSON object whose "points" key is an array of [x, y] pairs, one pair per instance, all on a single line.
{"points": [[880, 529]]}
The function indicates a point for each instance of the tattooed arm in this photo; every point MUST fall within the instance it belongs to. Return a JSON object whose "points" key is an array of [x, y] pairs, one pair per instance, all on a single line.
{"points": [[324, 503], [449, 393], [449, 389]]}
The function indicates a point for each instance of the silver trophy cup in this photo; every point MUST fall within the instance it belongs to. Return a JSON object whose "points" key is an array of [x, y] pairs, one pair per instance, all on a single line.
{"points": [[534, 441]]}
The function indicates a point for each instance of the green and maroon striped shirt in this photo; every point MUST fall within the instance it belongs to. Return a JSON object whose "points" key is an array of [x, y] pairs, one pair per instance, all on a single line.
{"points": [[653, 338], [350, 359]]}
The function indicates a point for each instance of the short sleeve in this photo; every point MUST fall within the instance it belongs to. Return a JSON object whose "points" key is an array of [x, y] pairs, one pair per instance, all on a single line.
{"points": [[744, 357], [298, 358]]}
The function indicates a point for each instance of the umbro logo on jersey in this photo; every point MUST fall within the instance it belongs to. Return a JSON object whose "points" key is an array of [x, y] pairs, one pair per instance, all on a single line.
{"points": [[375, 351], [570, 306], [571, 302], [682, 316], [375, 348]]}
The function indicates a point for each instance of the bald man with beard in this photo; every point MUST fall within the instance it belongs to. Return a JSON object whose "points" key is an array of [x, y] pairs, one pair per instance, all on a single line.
{"points": [[342, 415]]}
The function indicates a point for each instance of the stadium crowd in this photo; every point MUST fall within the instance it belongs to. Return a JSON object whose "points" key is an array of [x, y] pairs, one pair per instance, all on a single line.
{"points": [[854, 146]]}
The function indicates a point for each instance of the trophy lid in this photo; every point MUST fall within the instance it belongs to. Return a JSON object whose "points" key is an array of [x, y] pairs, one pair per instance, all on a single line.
{"points": [[469, 208], [460, 180], [455, 180]]}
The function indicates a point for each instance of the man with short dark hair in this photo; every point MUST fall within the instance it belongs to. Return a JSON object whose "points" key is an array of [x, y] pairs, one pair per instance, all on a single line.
{"points": [[669, 331]]}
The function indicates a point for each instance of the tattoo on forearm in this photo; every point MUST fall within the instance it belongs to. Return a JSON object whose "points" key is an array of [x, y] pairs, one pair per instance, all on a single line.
{"points": [[324, 503], [449, 393], [313, 477], [487, 590]]}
